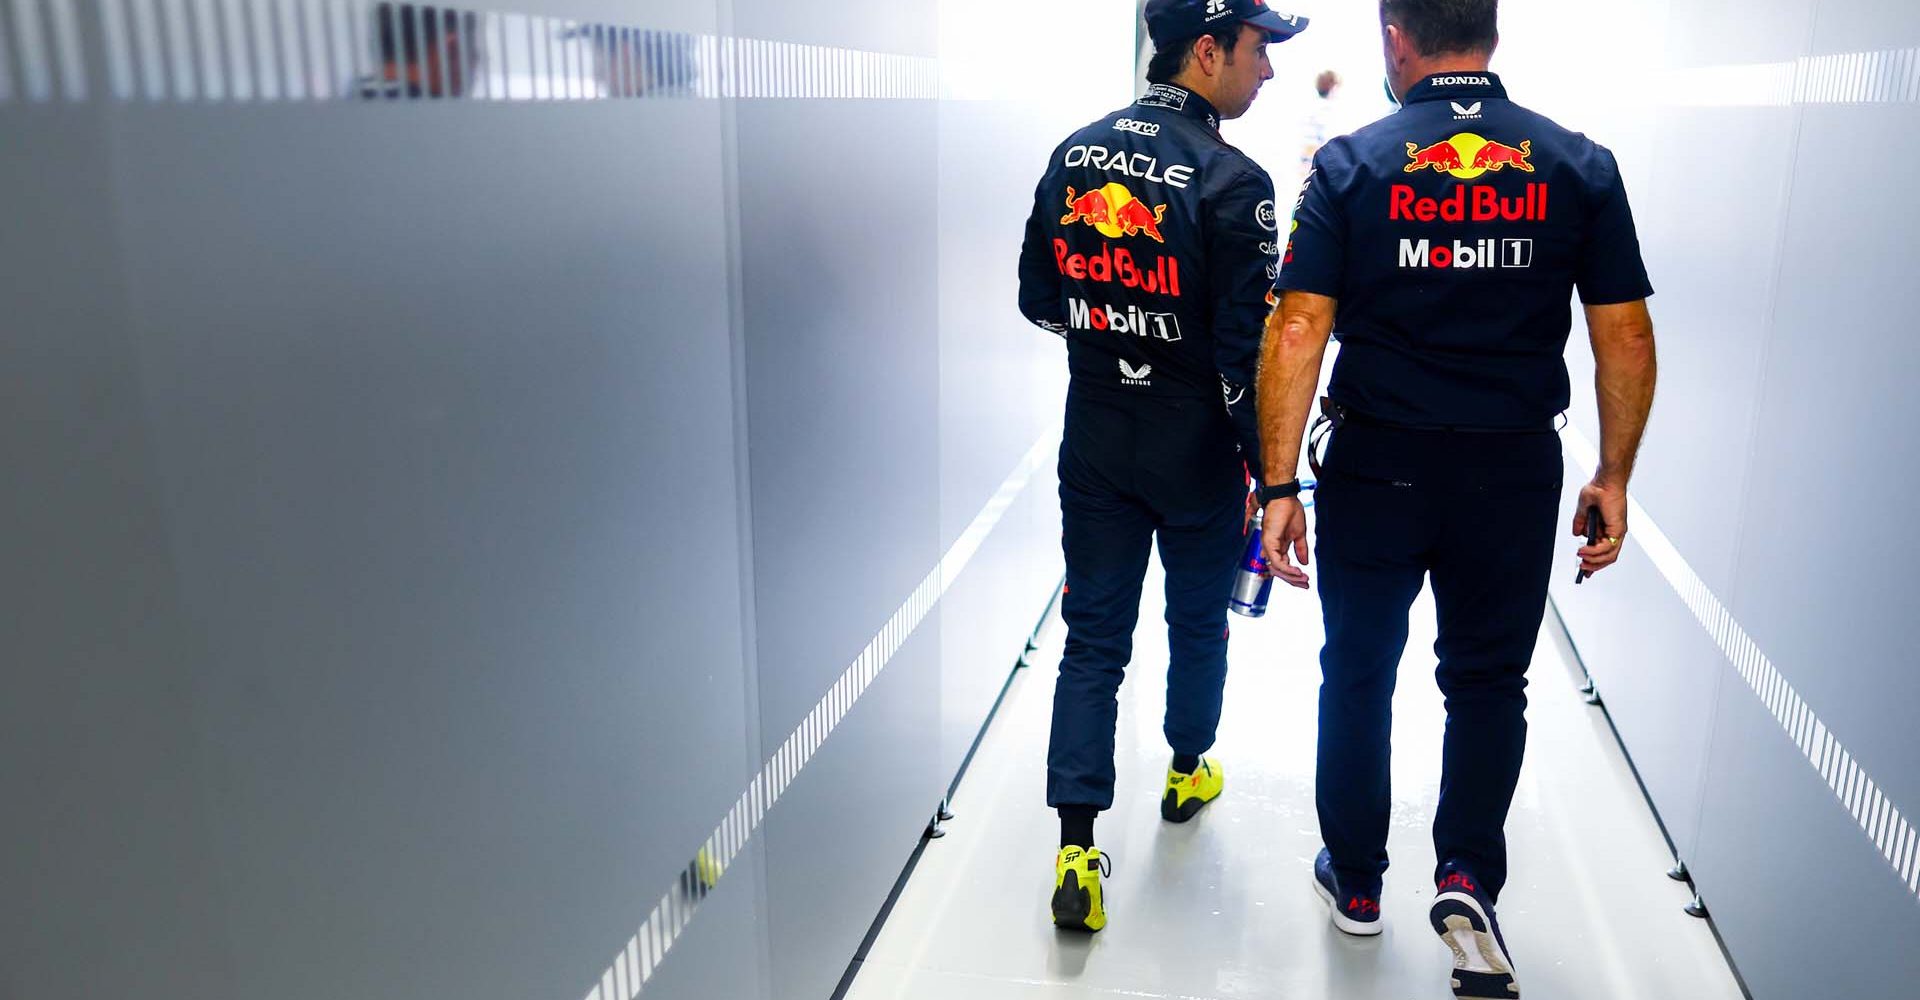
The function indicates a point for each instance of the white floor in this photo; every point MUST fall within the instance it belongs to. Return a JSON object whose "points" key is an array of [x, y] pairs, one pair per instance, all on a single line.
{"points": [[1222, 907]]}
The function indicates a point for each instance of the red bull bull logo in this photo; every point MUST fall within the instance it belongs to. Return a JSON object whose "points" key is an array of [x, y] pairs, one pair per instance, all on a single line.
{"points": [[1115, 212], [1467, 156]]}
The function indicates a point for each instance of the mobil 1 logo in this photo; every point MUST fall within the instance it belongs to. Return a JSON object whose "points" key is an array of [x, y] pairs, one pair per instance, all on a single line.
{"points": [[1084, 315], [1466, 255]]}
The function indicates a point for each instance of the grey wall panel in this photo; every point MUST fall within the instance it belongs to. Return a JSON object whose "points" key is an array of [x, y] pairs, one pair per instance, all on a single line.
{"points": [[1714, 294], [842, 369], [440, 509], [1723, 32], [839, 261], [993, 363], [1839, 404], [659, 15], [1658, 673], [846, 828], [1775, 468], [410, 382], [720, 956], [109, 874], [870, 25], [1003, 591], [1864, 25], [996, 376], [1805, 902], [412, 412]]}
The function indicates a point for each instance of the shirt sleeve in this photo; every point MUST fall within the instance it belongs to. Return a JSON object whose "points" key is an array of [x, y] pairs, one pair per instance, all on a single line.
{"points": [[1316, 247], [1041, 296], [1241, 234], [1611, 270]]}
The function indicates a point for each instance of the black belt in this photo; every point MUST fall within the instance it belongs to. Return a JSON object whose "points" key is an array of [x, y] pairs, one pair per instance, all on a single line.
{"points": [[1333, 415]]}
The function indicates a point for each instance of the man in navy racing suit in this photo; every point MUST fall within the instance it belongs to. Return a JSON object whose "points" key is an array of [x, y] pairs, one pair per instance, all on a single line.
{"points": [[1152, 249]]}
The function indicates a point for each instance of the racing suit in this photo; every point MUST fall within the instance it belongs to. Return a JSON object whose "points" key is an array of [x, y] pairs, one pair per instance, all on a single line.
{"points": [[1152, 251]]}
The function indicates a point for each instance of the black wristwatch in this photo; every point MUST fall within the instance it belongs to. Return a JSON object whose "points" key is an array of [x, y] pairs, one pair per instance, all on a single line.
{"points": [[1268, 494]]}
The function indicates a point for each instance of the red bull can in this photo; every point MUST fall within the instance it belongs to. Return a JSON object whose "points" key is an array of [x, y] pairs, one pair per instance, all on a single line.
{"points": [[1251, 584]]}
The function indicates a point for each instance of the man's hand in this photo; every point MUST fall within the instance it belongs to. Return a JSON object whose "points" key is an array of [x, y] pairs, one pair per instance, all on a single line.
{"points": [[1612, 501], [1286, 525]]}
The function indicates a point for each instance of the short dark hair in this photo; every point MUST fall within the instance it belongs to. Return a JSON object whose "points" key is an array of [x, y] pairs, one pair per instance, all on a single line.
{"points": [[1442, 26], [1168, 63]]}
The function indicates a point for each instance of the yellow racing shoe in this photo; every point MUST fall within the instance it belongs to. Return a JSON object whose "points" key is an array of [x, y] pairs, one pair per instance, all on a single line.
{"points": [[1077, 905], [1187, 793]]}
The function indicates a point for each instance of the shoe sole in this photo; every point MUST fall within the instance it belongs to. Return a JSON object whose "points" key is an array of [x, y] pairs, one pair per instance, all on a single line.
{"points": [[1481, 968], [1073, 906], [1341, 921], [1173, 812]]}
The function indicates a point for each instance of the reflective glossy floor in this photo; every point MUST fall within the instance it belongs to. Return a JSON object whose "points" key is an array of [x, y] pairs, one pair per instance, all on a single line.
{"points": [[1222, 907]]}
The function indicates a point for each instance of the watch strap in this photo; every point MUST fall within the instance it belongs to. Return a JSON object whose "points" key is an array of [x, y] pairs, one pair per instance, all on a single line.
{"points": [[1279, 491]]}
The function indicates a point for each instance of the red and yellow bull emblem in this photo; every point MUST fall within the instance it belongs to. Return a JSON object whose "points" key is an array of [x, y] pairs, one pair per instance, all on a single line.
{"points": [[1115, 212], [1467, 156]]}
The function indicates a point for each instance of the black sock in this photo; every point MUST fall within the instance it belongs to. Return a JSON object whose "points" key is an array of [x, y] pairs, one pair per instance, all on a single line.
{"points": [[1076, 825], [1186, 763]]}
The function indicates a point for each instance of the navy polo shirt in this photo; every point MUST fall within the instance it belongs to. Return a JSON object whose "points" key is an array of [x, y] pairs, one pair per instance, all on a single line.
{"points": [[1453, 234]]}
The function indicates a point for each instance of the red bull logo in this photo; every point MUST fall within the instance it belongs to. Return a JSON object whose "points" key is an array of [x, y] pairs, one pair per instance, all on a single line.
{"points": [[1468, 203], [1115, 212], [1467, 156], [1117, 265]]}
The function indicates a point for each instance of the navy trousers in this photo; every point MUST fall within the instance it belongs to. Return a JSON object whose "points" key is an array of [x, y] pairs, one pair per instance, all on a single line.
{"points": [[1132, 468], [1477, 513]]}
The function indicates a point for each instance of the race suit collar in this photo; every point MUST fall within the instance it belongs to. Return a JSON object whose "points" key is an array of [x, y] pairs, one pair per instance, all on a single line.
{"points": [[1454, 86], [1181, 100]]}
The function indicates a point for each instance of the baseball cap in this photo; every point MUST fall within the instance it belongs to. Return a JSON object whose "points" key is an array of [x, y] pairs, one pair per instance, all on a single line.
{"points": [[1170, 21]]}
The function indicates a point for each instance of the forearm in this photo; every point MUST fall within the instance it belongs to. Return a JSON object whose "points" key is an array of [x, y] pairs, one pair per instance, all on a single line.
{"points": [[1040, 285], [1625, 370], [1291, 355]]}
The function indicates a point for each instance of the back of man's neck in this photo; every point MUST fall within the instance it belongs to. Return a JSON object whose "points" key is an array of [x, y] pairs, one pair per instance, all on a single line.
{"points": [[1195, 84], [1452, 62]]}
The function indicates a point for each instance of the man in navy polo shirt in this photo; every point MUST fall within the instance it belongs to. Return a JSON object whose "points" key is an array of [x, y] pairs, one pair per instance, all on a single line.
{"points": [[1443, 244]]}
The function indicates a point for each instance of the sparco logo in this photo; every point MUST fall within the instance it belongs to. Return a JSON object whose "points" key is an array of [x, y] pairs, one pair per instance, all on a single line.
{"points": [[1083, 315], [1467, 255], [1129, 375], [1148, 129]]}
